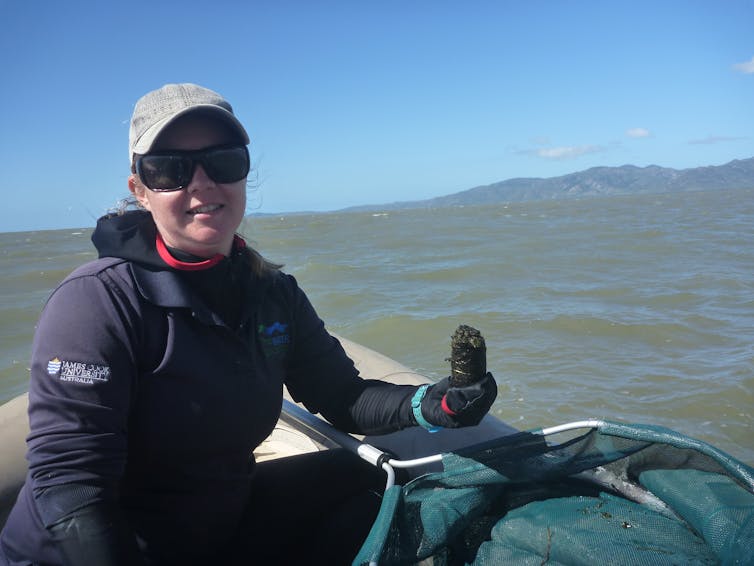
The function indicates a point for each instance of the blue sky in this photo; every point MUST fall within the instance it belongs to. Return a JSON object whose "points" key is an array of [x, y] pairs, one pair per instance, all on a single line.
{"points": [[359, 102]]}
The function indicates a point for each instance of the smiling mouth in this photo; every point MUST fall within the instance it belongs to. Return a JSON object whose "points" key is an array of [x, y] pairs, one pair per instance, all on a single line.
{"points": [[204, 209]]}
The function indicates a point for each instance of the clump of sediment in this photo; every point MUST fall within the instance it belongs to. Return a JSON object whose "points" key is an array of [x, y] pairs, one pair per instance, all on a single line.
{"points": [[468, 356]]}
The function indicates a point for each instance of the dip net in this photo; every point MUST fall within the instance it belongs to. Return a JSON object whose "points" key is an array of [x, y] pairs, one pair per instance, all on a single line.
{"points": [[587, 493]]}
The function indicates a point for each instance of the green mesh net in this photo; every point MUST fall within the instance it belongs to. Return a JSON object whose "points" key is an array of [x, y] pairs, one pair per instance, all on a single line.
{"points": [[613, 494]]}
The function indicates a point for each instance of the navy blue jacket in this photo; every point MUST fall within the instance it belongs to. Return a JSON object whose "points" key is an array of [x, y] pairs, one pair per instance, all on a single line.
{"points": [[143, 396]]}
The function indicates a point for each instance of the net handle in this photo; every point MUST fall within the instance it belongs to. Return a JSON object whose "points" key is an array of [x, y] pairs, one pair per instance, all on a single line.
{"points": [[306, 421]]}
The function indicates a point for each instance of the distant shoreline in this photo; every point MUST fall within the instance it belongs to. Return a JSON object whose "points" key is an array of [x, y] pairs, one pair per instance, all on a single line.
{"points": [[593, 182]]}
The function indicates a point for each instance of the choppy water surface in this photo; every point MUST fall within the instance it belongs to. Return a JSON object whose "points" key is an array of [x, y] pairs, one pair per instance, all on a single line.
{"points": [[636, 308]]}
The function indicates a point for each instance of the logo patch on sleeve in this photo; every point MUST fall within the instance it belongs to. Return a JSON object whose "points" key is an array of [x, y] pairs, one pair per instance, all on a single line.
{"points": [[78, 372]]}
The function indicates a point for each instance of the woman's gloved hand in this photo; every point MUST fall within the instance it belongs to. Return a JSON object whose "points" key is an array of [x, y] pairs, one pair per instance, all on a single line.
{"points": [[453, 407]]}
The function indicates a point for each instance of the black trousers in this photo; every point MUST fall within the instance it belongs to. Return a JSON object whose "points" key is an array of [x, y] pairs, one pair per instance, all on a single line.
{"points": [[314, 508]]}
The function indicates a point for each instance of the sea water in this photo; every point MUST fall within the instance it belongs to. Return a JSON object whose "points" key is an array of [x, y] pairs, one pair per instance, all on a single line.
{"points": [[635, 308]]}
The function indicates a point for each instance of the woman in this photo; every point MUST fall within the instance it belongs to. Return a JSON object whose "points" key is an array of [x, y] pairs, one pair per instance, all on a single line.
{"points": [[158, 368]]}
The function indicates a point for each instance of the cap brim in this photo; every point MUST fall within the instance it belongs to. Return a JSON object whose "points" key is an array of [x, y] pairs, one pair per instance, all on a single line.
{"points": [[149, 137]]}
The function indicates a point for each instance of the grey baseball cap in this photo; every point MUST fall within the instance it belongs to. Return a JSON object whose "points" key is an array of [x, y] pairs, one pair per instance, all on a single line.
{"points": [[156, 110]]}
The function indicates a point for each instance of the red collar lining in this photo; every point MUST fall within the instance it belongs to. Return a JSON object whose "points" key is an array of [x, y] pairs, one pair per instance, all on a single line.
{"points": [[168, 258]]}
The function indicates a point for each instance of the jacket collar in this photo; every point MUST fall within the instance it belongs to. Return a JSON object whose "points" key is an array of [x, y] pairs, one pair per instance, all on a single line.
{"points": [[166, 288]]}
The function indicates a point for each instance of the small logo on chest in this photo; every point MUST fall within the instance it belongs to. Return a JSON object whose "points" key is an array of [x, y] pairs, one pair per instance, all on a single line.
{"points": [[275, 338]]}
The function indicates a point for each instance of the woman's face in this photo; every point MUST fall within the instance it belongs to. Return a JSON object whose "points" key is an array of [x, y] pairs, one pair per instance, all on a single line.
{"points": [[203, 217]]}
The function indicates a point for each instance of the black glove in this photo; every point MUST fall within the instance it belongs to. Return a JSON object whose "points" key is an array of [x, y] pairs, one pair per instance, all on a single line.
{"points": [[453, 407]]}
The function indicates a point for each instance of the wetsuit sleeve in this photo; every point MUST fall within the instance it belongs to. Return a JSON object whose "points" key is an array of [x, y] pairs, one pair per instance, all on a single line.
{"points": [[325, 380], [83, 377], [96, 535]]}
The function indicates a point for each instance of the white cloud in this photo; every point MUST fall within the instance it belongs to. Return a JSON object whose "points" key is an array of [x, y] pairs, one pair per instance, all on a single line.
{"points": [[567, 152], [709, 140], [638, 133], [747, 67]]}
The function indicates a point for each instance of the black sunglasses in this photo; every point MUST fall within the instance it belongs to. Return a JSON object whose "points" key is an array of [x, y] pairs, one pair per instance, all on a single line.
{"points": [[164, 171]]}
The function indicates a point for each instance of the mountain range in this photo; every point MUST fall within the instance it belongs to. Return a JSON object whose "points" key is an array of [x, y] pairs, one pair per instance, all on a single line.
{"points": [[626, 179]]}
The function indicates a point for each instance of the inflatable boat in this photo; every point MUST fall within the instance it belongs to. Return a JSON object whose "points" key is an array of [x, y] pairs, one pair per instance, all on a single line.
{"points": [[585, 493]]}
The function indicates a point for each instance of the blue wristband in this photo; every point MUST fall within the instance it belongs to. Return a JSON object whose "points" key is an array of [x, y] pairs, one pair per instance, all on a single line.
{"points": [[416, 406]]}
